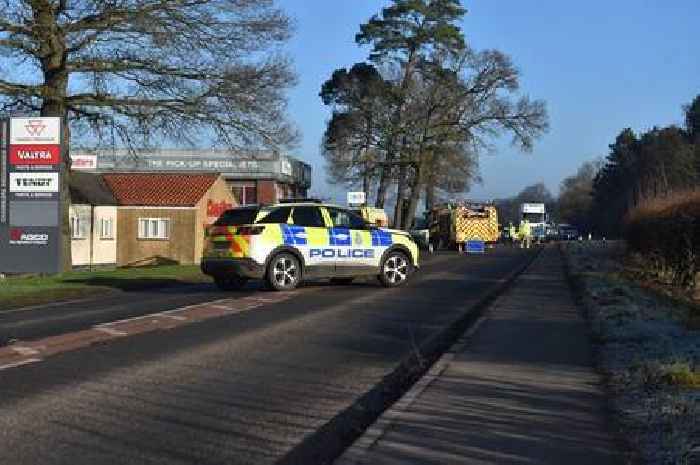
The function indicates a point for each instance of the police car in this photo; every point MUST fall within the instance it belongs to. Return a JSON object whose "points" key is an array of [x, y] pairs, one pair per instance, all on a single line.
{"points": [[288, 242]]}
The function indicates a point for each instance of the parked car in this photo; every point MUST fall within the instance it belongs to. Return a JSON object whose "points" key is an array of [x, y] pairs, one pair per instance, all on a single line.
{"points": [[289, 242]]}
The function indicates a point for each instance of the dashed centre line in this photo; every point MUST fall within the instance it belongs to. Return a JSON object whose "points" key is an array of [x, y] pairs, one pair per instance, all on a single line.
{"points": [[27, 352]]}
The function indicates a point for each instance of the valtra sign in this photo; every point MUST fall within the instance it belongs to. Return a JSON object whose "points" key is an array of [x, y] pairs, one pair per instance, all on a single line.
{"points": [[35, 155]]}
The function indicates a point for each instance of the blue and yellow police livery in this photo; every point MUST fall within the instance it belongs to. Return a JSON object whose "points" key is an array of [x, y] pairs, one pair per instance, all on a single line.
{"points": [[294, 241]]}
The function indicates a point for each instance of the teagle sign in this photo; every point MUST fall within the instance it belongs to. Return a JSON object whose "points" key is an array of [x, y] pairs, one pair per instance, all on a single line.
{"points": [[35, 131], [35, 154]]}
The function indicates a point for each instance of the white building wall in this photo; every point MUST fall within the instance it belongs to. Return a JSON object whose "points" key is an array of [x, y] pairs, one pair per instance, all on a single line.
{"points": [[103, 244]]}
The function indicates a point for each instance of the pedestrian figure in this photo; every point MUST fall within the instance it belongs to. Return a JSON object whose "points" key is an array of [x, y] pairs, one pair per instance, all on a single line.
{"points": [[525, 233]]}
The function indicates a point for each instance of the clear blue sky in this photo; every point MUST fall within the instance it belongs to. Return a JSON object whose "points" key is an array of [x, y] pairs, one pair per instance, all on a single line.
{"points": [[600, 65]]}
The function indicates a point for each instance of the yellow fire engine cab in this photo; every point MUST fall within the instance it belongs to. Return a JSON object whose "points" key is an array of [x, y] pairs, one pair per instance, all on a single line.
{"points": [[452, 225]]}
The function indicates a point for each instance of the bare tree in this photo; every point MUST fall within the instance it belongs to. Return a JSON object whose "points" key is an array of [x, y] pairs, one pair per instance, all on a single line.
{"points": [[149, 69], [467, 101]]}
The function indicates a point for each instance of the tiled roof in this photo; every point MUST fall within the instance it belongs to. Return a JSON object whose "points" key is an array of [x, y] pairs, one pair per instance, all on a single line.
{"points": [[159, 190]]}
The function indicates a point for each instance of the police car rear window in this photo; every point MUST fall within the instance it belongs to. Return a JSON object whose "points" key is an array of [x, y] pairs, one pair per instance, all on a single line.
{"points": [[278, 215], [237, 216]]}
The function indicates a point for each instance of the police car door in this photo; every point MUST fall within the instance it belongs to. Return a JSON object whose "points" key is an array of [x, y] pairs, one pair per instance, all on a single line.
{"points": [[311, 235], [351, 240]]}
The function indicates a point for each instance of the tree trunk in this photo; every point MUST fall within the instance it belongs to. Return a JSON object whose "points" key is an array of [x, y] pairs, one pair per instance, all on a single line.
{"points": [[414, 198], [365, 181], [429, 195], [53, 65], [396, 119], [384, 181], [400, 196]]}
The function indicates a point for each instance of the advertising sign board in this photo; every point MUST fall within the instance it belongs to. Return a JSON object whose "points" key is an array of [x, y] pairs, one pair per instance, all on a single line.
{"points": [[34, 182], [4, 195], [533, 208], [83, 162], [35, 155], [35, 131], [356, 198], [30, 199]]}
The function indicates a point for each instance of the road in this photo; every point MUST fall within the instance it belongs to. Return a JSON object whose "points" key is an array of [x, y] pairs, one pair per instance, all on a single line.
{"points": [[240, 389]]}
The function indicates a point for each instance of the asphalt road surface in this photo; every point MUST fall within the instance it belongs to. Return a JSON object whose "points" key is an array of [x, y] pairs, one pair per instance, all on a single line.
{"points": [[240, 389]]}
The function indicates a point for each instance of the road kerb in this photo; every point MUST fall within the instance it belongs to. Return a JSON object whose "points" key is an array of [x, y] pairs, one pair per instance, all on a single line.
{"points": [[331, 439]]}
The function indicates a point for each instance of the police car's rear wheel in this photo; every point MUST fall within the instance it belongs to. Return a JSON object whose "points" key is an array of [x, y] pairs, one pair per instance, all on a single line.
{"points": [[395, 269], [230, 283], [284, 272]]}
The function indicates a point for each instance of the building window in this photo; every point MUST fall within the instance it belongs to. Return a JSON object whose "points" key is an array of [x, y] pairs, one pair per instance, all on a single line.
{"points": [[154, 228], [245, 193], [77, 228], [107, 228]]}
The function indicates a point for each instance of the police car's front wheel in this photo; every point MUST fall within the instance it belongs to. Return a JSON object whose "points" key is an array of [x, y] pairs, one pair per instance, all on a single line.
{"points": [[395, 269], [284, 272]]}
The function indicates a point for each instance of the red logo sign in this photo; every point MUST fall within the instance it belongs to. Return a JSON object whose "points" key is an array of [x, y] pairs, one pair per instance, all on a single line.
{"points": [[15, 234], [216, 209], [35, 127], [35, 154]]}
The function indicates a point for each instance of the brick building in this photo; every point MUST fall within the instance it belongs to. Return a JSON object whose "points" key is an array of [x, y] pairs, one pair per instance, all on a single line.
{"points": [[161, 218], [252, 176]]}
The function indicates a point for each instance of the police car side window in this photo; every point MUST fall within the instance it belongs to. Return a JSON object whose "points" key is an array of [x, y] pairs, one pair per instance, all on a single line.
{"points": [[308, 216], [346, 219], [278, 215]]}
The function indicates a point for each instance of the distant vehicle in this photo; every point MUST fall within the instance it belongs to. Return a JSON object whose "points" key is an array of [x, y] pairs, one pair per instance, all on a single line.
{"points": [[373, 215], [536, 215], [568, 232], [452, 225], [292, 241], [552, 232]]}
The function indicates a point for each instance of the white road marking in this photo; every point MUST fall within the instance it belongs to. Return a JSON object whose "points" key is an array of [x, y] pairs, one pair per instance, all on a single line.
{"points": [[20, 363], [126, 320], [173, 317], [25, 350], [110, 331], [220, 307]]}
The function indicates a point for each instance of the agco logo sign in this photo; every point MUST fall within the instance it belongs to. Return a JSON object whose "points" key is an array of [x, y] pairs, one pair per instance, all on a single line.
{"points": [[19, 237], [15, 234], [35, 131], [35, 127]]}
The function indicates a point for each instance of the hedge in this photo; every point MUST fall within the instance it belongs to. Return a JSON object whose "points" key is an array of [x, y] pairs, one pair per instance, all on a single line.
{"points": [[667, 232]]}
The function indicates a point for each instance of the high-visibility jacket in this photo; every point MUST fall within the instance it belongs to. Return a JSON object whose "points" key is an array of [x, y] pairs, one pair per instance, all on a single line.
{"points": [[525, 229], [512, 231]]}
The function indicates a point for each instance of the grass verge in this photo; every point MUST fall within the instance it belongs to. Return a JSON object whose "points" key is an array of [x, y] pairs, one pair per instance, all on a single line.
{"points": [[36, 290]]}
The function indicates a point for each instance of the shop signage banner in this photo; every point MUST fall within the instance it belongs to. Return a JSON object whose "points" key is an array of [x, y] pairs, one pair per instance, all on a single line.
{"points": [[34, 155], [30, 195], [34, 182], [35, 131], [83, 162]]}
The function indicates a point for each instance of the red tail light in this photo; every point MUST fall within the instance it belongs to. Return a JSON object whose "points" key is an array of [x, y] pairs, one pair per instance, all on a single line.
{"points": [[250, 230]]}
